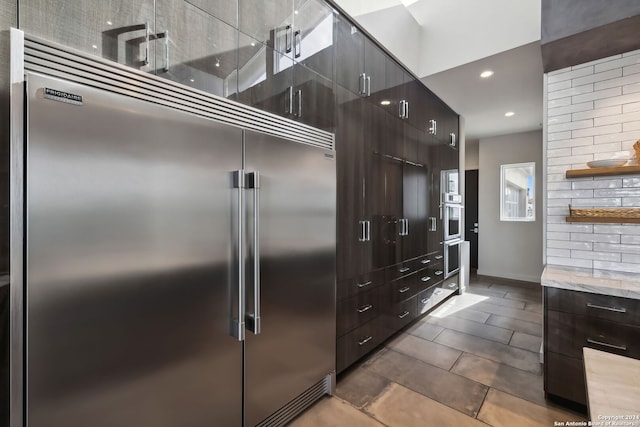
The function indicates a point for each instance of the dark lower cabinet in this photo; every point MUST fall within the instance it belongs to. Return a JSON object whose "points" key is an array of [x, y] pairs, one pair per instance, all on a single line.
{"points": [[574, 320]]}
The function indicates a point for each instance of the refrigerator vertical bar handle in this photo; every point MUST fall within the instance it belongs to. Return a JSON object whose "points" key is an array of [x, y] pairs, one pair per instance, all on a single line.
{"points": [[406, 227], [147, 40], [406, 109], [254, 320], [237, 325]]}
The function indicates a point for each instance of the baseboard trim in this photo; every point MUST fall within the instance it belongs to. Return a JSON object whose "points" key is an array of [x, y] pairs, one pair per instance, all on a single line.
{"points": [[521, 279]]}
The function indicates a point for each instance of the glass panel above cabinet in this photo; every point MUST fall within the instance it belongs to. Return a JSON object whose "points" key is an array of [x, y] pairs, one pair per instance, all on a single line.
{"points": [[118, 30], [225, 10], [196, 49]]}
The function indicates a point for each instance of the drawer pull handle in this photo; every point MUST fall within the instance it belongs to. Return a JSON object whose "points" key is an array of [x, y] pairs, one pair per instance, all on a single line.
{"points": [[365, 308], [617, 347], [405, 289], [600, 307], [439, 257], [425, 300], [365, 340], [404, 269], [425, 278], [362, 285], [425, 261], [403, 315], [439, 273], [452, 285], [436, 291]]}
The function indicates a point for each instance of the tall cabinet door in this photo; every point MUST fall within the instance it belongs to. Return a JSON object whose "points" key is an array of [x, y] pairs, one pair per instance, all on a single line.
{"points": [[132, 281], [296, 212], [196, 49], [118, 30]]}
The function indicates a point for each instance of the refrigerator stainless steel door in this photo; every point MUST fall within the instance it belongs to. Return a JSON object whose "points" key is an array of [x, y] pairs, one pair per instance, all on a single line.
{"points": [[131, 274], [297, 200]]}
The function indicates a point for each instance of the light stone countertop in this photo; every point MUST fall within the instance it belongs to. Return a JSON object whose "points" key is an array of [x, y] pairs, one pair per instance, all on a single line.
{"points": [[613, 387], [604, 282]]}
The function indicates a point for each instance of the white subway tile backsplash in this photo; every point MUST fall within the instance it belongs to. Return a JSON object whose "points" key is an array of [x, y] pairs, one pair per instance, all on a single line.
{"points": [[611, 147], [571, 228], [570, 194], [569, 160], [563, 185], [565, 84], [556, 177], [616, 229], [557, 235], [556, 203], [598, 77], [557, 169], [565, 118], [556, 136], [579, 90], [570, 262], [617, 266], [616, 63], [563, 244], [629, 108], [593, 238], [603, 202], [555, 219], [629, 240], [600, 130], [601, 112], [631, 259], [631, 182], [569, 108], [564, 253], [631, 202], [598, 61], [631, 89], [600, 256], [621, 136], [631, 69], [567, 74], [611, 247], [582, 124], [616, 192], [629, 126], [560, 102], [595, 95], [617, 100], [566, 143], [559, 152], [620, 81], [604, 183], [620, 118]]}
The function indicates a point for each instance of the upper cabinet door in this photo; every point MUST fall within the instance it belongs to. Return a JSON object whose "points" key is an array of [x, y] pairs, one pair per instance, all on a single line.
{"points": [[313, 36], [374, 67], [270, 22], [225, 10], [195, 48], [349, 56], [118, 30], [265, 77], [314, 99]]}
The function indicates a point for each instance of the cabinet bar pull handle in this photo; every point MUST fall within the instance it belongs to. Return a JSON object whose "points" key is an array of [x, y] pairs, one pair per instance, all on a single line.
{"points": [[365, 284], [617, 347], [452, 285], [288, 105], [439, 273], [147, 40], [363, 231], [439, 257], [452, 139], [363, 84], [368, 85], [368, 230], [365, 308], [166, 51], [425, 300], [401, 109], [365, 340], [425, 278], [405, 289], [406, 109], [298, 112], [287, 38], [403, 315], [600, 307], [425, 261], [404, 269], [297, 44]]}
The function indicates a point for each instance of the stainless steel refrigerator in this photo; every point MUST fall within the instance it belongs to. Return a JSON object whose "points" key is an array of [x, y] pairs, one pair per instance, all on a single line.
{"points": [[179, 256]]}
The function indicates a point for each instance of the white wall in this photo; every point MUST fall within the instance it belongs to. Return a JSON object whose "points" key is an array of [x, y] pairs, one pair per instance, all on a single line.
{"points": [[593, 112], [508, 249], [472, 154]]}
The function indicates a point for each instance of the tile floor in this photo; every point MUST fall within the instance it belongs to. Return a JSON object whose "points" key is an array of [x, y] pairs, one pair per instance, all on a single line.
{"points": [[474, 361]]}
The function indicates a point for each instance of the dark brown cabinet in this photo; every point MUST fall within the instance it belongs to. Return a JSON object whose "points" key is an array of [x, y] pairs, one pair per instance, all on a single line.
{"points": [[573, 320]]}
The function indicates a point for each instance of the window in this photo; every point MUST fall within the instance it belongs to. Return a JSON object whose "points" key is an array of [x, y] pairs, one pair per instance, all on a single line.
{"points": [[517, 192]]}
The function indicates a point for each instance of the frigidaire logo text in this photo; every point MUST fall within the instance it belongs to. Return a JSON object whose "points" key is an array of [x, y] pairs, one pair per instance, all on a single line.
{"points": [[57, 95]]}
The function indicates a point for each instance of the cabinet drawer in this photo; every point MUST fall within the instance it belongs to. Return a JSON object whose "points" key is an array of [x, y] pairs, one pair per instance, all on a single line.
{"points": [[403, 269], [564, 377], [357, 343], [439, 295], [357, 310], [615, 309], [424, 301], [568, 333], [429, 260], [451, 283], [399, 315], [359, 284], [403, 288]]}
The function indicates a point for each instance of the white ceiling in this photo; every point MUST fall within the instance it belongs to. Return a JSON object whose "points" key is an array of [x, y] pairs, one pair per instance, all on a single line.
{"points": [[447, 43]]}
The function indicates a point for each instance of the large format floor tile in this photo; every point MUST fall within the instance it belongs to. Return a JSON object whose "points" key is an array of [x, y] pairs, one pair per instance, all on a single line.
{"points": [[424, 330], [528, 316], [526, 341], [489, 332], [440, 385], [360, 387], [512, 356], [333, 412], [401, 407], [426, 351], [504, 410], [518, 325]]}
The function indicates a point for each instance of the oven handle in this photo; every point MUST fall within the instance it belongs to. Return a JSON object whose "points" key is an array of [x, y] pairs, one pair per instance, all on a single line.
{"points": [[452, 242]]}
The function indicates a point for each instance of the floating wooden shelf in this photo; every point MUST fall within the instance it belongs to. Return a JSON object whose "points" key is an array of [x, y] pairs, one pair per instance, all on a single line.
{"points": [[604, 219], [618, 170], [604, 215]]}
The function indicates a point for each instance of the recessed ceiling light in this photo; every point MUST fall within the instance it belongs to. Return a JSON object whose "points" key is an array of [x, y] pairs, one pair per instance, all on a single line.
{"points": [[109, 23], [95, 46], [252, 43], [192, 80], [509, 114], [385, 102], [485, 74], [217, 62]]}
